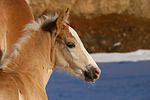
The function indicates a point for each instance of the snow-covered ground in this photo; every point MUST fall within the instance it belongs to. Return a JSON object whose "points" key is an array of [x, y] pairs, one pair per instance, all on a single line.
{"points": [[125, 76], [139, 55]]}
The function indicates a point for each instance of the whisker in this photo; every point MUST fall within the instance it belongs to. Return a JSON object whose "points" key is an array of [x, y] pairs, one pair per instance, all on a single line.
{"points": [[92, 84]]}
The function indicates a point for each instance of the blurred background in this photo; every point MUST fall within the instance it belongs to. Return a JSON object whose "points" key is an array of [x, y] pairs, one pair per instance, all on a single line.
{"points": [[104, 25]]}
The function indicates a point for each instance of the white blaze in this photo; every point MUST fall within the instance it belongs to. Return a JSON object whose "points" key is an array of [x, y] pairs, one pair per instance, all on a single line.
{"points": [[90, 59]]}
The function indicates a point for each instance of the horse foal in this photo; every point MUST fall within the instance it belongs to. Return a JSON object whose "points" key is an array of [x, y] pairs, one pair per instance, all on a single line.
{"points": [[48, 43]]}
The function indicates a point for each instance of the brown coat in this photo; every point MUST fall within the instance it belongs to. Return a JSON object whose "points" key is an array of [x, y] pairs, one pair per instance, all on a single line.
{"points": [[14, 15]]}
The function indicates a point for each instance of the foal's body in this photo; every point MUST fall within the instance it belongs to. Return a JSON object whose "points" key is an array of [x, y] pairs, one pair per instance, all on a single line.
{"points": [[14, 15], [45, 45], [25, 76]]}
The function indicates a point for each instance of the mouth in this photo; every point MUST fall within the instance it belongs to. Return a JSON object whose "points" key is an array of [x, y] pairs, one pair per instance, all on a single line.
{"points": [[91, 75]]}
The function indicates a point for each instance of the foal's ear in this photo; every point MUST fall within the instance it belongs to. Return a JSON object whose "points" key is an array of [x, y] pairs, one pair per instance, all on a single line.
{"points": [[58, 23], [62, 18]]}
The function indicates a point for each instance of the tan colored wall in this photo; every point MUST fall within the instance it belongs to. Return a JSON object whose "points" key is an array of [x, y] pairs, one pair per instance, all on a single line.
{"points": [[103, 23], [93, 8]]}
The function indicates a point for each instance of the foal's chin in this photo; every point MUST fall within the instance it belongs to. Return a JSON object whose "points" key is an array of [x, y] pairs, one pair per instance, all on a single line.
{"points": [[88, 76], [91, 74], [90, 80]]}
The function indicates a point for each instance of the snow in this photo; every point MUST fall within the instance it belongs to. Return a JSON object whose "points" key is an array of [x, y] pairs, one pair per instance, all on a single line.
{"points": [[139, 55], [117, 44], [125, 76]]}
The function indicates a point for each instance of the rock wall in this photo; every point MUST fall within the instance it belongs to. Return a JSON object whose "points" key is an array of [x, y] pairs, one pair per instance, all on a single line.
{"points": [[93, 8], [105, 25]]}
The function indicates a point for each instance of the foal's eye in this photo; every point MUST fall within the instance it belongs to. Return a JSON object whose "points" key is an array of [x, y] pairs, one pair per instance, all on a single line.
{"points": [[70, 45]]}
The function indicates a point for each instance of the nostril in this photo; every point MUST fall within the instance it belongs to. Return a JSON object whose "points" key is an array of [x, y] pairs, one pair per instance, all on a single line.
{"points": [[97, 72]]}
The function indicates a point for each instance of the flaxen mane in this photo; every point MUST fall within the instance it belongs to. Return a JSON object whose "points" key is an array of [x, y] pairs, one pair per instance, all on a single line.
{"points": [[40, 23]]}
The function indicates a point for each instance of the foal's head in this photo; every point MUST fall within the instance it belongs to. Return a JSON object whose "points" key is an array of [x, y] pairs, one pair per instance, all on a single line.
{"points": [[70, 53]]}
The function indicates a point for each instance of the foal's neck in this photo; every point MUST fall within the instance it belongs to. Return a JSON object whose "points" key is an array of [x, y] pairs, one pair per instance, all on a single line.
{"points": [[32, 56]]}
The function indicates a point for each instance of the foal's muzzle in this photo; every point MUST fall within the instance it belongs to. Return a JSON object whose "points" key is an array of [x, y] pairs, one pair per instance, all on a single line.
{"points": [[92, 73]]}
